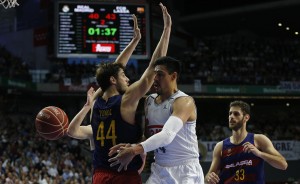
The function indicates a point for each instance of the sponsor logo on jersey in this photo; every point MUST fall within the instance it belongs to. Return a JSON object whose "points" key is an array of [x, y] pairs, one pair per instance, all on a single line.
{"points": [[237, 164]]}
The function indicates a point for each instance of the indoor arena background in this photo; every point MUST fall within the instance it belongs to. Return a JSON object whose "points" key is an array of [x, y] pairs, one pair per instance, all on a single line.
{"points": [[231, 50]]}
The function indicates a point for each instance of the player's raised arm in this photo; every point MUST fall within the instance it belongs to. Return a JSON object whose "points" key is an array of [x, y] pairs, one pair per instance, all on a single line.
{"points": [[74, 129], [124, 56], [142, 86]]}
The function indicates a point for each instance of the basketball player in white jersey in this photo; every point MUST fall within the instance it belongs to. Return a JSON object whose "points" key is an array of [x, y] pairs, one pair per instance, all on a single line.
{"points": [[171, 123]]}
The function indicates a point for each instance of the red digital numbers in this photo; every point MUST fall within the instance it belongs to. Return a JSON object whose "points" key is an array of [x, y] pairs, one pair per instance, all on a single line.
{"points": [[110, 16], [94, 16], [102, 22]]}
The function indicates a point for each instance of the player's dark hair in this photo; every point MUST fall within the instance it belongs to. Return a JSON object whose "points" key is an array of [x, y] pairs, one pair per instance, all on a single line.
{"points": [[245, 107], [172, 64], [105, 71]]}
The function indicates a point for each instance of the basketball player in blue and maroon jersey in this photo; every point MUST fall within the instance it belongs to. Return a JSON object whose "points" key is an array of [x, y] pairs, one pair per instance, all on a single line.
{"points": [[240, 158], [113, 114]]}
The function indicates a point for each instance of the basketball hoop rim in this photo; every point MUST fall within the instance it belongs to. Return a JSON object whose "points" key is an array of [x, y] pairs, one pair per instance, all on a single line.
{"points": [[9, 3]]}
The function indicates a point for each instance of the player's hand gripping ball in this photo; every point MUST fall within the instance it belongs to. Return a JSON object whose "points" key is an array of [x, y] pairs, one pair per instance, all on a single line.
{"points": [[51, 123]]}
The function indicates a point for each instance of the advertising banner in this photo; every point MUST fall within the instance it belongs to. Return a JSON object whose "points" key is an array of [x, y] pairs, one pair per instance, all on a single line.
{"points": [[290, 149]]}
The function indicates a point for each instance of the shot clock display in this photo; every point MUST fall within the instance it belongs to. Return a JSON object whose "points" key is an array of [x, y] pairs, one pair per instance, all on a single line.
{"points": [[100, 28]]}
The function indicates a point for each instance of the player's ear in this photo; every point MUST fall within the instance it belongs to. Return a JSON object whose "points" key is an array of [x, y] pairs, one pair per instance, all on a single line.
{"points": [[112, 80], [174, 76], [247, 117]]}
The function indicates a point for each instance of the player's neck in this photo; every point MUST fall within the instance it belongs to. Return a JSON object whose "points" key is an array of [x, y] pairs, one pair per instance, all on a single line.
{"points": [[111, 91], [167, 94], [238, 136]]}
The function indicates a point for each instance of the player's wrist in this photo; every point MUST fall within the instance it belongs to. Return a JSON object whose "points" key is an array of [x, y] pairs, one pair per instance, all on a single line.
{"points": [[137, 149], [135, 39], [168, 27], [87, 106]]}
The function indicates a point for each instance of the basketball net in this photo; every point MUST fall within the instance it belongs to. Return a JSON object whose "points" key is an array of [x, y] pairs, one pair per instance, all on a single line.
{"points": [[9, 3]]}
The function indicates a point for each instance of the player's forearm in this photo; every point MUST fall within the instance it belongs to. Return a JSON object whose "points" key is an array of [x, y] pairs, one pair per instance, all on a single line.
{"points": [[125, 55], [77, 120], [165, 40], [97, 94], [162, 46], [172, 126], [206, 178], [274, 160]]}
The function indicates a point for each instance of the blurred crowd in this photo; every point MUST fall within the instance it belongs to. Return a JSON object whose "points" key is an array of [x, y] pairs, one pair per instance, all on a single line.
{"points": [[275, 129], [231, 59], [242, 59], [239, 59], [12, 67], [26, 158]]}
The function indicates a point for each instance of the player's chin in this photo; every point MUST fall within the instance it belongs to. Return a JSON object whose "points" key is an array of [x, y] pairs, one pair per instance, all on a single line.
{"points": [[232, 123], [125, 88]]}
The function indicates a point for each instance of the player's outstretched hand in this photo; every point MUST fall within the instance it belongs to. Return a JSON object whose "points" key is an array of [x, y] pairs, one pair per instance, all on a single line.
{"points": [[166, 16], [116, 149], [136, 30], [90, 95], [123, 158]]}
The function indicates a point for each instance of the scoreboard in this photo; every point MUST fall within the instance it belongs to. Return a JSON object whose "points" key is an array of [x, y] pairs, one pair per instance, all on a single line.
{"points": [[99, 28]]}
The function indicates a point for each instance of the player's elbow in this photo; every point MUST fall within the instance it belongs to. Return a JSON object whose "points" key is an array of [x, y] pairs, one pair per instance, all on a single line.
{"points": [[71, 132], [284, 166], [169, 137]]}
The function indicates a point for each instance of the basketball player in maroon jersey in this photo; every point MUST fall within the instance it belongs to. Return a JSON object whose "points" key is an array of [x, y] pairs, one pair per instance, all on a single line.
{"points": [[240, 158], [113, 114]]}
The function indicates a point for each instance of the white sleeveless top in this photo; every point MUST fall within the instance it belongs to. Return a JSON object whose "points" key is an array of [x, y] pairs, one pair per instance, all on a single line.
{"points": [[184, 147]]}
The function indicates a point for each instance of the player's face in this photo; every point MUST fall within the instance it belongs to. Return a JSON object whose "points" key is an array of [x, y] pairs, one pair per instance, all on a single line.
{"points": [[162, 79], [122, 82], [236, 118]]}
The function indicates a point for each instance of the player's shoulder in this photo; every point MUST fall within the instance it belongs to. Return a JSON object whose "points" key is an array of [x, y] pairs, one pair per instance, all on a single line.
{"points": [[261, 140], [218, 146], [184, 99], [220, 143], [180, 93], [260, 137]]}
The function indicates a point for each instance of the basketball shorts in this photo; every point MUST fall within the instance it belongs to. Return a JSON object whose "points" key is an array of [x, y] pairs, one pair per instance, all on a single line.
{"points": [[189, 172], [113, 177]]}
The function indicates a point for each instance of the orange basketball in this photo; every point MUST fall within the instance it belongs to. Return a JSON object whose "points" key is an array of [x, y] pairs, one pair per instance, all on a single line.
{"points": [[51, 123]]}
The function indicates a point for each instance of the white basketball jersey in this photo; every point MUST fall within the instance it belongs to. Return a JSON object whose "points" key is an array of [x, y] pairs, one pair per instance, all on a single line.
{"points": [[184, 146]]}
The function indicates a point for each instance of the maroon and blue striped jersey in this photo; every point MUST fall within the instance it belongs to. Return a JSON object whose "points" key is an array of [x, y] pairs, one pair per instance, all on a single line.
{"points": [[238, 166], [110, 129]]}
